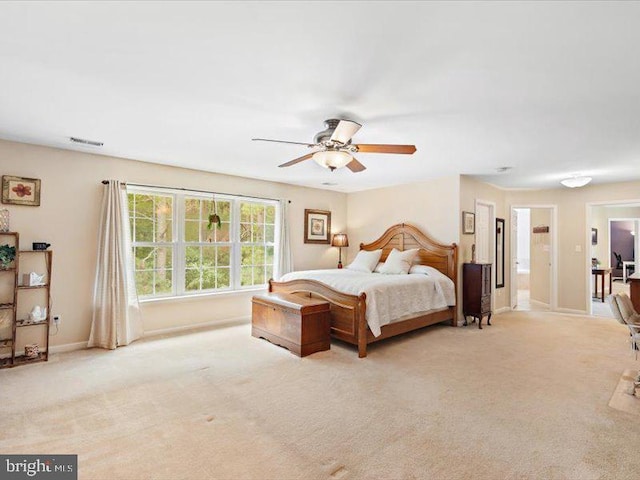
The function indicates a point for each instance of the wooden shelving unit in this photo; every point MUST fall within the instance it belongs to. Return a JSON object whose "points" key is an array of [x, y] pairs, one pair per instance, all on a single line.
{"points": [[17, 324]]}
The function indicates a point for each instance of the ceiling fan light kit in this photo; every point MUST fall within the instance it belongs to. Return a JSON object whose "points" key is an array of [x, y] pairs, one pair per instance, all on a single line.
{"points": [[333, 147], [575, 181]]}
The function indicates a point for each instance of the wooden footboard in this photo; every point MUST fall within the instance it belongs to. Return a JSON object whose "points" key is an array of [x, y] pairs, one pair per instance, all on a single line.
{"points": [[348, 320]]}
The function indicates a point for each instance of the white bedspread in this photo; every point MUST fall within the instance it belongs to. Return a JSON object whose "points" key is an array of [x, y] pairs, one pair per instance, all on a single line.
{"points": [[389, 297]]}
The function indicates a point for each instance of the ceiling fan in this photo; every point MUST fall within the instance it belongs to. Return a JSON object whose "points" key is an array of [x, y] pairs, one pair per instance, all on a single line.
{"points": [[333, 148]]}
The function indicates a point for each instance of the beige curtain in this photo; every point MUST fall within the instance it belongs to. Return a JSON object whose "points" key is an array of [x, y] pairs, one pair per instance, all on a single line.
{"points": [[116, 312], [284, 262]]}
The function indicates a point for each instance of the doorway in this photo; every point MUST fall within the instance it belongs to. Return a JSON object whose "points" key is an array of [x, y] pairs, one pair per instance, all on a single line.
{"points": [[614, 228], [533, 259]]}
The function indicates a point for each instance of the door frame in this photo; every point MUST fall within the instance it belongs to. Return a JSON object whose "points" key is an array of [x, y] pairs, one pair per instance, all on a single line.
{"points": [[553, 284], [587, 232]]}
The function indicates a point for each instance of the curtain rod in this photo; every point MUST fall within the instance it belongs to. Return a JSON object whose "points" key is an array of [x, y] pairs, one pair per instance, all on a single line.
{"points": [[105, 182]]}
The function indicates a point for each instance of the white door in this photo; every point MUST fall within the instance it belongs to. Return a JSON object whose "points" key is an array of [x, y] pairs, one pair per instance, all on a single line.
{"points": [[514, 259]]}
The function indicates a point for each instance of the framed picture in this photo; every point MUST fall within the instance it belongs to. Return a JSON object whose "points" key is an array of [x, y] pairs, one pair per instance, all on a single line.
{"points": [[468, 223], [21, 191], [594, 236], [317, 226]]}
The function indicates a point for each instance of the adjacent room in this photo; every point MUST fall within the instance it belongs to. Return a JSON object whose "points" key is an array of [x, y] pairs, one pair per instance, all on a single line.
{"points": [[319, 240]]}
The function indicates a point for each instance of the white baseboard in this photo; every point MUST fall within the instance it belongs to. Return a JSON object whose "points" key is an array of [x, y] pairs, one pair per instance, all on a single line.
{"points": [[227, 322], [68, 347], [503, 310], [571, 311]]}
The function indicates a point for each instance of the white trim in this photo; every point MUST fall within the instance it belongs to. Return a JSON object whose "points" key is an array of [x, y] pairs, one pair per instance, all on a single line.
{"points": [[68, 347], [503, 310], [571, 311], [212, 323]]}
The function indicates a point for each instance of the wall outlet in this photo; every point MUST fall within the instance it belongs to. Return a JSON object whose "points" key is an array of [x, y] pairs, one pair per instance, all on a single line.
{"points": [[57, 320]]}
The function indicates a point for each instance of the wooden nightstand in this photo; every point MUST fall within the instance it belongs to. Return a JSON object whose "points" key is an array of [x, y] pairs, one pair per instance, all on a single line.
{"points": [[476, 292]]}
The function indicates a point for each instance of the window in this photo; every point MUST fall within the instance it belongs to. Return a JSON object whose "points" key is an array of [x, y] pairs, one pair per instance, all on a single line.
{"points": [[190, 243]]}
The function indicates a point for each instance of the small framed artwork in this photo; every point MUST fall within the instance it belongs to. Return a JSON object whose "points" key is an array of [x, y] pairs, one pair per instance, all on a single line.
{"points": [[21, 191], [317, 226], [468, 223], [594, 236]]}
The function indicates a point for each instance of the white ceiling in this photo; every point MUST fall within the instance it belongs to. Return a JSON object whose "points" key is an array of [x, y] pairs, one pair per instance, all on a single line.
{"points": [[549, 89]]}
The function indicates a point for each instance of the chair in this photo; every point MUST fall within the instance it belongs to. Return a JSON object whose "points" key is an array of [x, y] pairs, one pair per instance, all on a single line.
{"points": [[623, 311]]}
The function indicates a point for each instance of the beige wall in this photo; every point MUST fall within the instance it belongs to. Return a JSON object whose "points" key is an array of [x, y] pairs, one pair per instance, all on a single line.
{"points": [[68, 219], [540, 255], [432, 206], [574, 239], [472, 190]]}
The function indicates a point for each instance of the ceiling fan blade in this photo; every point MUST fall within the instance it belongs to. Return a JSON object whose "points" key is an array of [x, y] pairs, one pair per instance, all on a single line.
{"points": [[282, 141], [344, 131], [297, 160], [355, 166], [382, 148]]}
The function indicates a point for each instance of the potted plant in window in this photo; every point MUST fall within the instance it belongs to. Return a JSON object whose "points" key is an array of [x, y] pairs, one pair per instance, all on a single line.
{"points": [[7, 255], [214, 218]]}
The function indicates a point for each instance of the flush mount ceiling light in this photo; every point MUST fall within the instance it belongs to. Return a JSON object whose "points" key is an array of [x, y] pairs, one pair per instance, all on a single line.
{"points": [[575, 181]]}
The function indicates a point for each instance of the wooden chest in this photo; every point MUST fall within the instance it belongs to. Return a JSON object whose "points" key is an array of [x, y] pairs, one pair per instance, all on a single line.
{"points": [[300, 324]]}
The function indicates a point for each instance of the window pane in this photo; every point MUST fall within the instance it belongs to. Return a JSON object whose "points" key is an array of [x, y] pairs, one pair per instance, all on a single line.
{"points": [[245, 212], [144, 206], [269, 234], [245, 232], [206, 234], [191, 231], [258, 256], [144, 230], [268, 271], [269, 259], [224, 256], [222, 233], [144, 258], [206, 209], [192, 279], [163, 216], [163, 281], [224, 210], [257, 213], [208, 278], [223, 277], [144, 282], [164, 258], [271, 214], [192, 209], [208, 257], [246, 255], [246, 276], [258, 276], [258, 233], [192, 257]]}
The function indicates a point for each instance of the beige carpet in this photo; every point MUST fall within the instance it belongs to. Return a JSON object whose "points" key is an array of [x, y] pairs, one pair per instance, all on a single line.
{"points": [[525, 398]]}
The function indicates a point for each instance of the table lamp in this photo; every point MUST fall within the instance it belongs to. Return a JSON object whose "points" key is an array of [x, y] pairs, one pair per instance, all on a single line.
{"points": [[340, 240]]}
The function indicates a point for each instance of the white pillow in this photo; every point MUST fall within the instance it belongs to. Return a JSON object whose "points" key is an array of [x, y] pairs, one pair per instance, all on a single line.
{"points": [[426, 270], [365, 261], [398, 262], [378, 267]]}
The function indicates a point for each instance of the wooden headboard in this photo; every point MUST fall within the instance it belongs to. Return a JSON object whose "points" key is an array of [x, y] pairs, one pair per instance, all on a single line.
{"points": [[405, 237]]}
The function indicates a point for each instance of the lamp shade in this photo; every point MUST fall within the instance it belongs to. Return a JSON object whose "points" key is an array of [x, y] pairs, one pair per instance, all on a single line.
{"points": [[332, 158], [340, 240]]}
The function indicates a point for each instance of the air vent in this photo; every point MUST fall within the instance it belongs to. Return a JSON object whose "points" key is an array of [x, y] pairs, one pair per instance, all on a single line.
{"points": [[82, 141], [329, 184]]}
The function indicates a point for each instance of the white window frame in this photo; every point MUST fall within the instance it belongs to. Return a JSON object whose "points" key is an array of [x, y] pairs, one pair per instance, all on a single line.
{"points": [[179, 244]]}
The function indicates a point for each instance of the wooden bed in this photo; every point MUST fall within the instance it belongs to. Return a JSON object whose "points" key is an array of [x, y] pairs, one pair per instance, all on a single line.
{"points": [[348, 321]]}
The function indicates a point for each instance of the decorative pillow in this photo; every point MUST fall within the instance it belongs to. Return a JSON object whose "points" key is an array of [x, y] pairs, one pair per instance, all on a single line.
{"points": [[398, 262], [365, 261]]}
